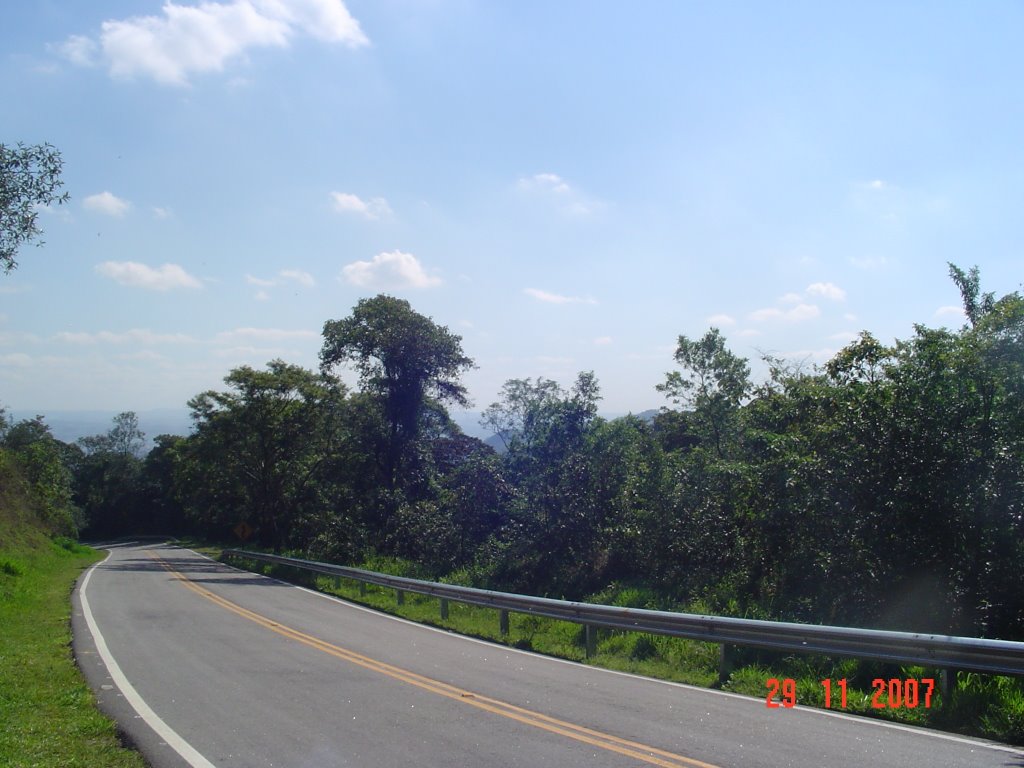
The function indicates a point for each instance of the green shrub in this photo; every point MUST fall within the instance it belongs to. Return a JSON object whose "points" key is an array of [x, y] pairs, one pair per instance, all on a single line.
{"points": [[10, 567]]}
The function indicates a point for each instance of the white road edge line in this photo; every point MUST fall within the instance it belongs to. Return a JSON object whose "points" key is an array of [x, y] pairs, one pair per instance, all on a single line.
{"points": [[860, 719], [188, 753]]}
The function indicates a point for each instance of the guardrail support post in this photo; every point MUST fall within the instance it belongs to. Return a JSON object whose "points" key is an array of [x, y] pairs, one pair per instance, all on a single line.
{"points": [[362, 589], [444, 609], [725, 661], [400, 596], [337, 582], [590, 634], [947, 685], [503, 622]]}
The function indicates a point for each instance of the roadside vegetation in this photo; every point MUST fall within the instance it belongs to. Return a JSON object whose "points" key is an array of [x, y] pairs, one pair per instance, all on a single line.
{"points": [[48, 715], [883, 489]]}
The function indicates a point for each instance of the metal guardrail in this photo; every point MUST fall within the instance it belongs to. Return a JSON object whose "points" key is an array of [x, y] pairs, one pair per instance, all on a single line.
{"points": [[943, 651]]}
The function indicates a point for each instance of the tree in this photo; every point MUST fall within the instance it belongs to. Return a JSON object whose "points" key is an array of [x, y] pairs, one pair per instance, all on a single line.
{"points": [[403, 358], [714, 383], [44, 463], [107, 478], [555, 519], [29, 178], [124, 438], [259, 450]]}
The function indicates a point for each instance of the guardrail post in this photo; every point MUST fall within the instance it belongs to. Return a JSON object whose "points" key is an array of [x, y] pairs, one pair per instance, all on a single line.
{"points": [[947, 685], [503, 622], [362, 589], [726, 657], [444, 609], [400, 596], [590, 634], [337, 582]]}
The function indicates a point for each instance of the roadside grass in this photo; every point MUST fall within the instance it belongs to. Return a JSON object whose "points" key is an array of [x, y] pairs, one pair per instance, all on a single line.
{"points": [[48, 717], [987, 706]]}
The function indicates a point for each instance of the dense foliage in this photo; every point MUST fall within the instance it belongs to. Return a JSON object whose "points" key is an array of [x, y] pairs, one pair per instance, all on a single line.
{"points": [[885, 488]]}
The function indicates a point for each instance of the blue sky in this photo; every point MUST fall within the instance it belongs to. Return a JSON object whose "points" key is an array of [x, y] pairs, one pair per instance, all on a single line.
{"points": [[569, 186]]}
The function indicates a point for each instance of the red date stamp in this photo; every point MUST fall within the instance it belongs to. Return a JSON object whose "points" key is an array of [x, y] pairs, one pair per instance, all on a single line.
{"points": [[887, 694]]}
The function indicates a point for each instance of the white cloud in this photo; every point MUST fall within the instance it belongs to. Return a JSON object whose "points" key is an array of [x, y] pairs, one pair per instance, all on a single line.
{"points": [[393, 269], [827, 290], [78, 49], [722, 321], [372, 209], [295, 275], [558, 191], [791, 298], [135, 336], [162, 213], [303, 278], [327, 20], [262, 335], [190, 39], [797, 314], [603, 340], [134, 274], [107, 203], [548, 182], [554, 298]]}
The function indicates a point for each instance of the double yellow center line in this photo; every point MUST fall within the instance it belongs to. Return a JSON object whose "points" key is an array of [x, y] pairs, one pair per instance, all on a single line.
{"points": [[633, 749]]}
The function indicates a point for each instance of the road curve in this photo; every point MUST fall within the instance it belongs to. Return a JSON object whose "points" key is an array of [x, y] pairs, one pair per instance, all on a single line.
{"points": [[203, 665]]}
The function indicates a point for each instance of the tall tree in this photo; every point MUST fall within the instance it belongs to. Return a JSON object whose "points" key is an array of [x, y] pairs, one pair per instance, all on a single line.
{"points": [[404, 359], [29, 178]]}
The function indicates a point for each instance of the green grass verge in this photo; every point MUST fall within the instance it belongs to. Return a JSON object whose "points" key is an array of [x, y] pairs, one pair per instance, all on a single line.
{"points": [[48, 717], [988, 706]]}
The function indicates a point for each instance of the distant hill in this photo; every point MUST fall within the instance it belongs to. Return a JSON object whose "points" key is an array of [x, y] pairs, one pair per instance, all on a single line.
{"points": [[469, 422], [69, 426]]}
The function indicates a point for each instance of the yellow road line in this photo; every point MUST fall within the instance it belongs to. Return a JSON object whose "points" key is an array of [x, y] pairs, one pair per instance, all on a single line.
{"points": [[633, 749]]}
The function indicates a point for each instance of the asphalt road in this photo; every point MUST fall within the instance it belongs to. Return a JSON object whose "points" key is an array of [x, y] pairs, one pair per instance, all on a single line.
{"points": [[203, 665]]}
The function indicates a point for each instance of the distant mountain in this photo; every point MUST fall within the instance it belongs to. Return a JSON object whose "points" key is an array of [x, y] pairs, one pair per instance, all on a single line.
{"points": [[69, 426], [648, 415]]}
